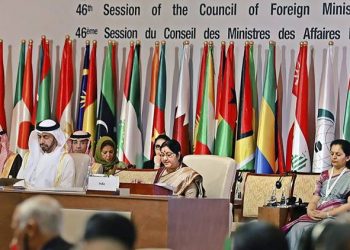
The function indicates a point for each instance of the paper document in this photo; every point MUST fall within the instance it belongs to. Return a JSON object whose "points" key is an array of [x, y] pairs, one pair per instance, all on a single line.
{"points": [[164, 185]]}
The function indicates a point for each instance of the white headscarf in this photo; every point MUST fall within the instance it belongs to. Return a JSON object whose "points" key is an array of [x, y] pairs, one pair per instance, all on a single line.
{"points": [[79, 135], [36, 153]]}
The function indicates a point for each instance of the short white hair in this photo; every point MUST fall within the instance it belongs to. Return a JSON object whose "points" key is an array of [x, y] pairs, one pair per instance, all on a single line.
{"points": [[44, 210]]}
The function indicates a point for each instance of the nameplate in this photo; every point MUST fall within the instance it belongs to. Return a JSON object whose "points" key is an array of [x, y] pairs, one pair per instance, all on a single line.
{"points": [[103, 183]]}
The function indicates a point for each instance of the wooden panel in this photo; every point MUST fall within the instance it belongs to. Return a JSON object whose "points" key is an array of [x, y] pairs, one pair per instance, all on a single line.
{"points": [[161, 221], [275, 215]]}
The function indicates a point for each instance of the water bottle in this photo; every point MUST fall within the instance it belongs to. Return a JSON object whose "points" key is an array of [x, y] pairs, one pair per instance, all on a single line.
{"points": [[86, 181]]}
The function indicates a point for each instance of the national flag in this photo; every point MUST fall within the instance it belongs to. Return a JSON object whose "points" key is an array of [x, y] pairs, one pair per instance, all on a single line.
{"points": [[206, 126], [83, 87], [37, 82], [133, 137], [220, 77], [325, 128], [17, 101], [65, 90], [149, 140], [160, 100], [280, 163], [89, 124], [182, 109], [43, 108], [122, 122], [266, 140], [254, 91], [200, 91], [105, 124], [293, 101], [2, 88], [227, 109], [346, 124], [245, 146], [300, 152], [114, 69]]}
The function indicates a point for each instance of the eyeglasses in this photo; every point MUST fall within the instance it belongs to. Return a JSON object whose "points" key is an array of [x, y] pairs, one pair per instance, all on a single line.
{"points": [[168, 155]]}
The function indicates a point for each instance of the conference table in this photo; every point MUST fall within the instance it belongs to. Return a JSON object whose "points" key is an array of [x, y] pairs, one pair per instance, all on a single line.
{"points": [[162, 221]]}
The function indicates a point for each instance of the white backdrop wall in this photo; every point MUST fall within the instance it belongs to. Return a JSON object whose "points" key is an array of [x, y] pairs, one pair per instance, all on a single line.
{"points": [[286, 22]]}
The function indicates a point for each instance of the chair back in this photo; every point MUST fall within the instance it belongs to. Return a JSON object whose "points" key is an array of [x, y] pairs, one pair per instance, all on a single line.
{"points": [[305, 185], [81, 163], [145, 176], [258, 189], [218, 173]]}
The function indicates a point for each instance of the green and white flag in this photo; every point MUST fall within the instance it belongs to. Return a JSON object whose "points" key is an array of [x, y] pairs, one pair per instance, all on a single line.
{"points": [[325, 127]]}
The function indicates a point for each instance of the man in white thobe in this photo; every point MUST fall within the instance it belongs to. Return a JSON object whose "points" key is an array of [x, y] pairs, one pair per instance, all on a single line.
{"points": [[47, 165]]}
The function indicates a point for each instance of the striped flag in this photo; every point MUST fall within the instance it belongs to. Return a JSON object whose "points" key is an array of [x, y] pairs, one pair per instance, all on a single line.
{"points": [[245, 146], [254, 91], [300, 153], [206, 126], [325, 128], [149, 140], [17, 101], [2, 89], [105, 124], [346, 125], [133, 137], [127, 80], [65, 90], [292, 106], [89, 122], [182, 109], [227, 109], [160, 100], [83, 87], [200, 91], [43, 108], [266, 141]]}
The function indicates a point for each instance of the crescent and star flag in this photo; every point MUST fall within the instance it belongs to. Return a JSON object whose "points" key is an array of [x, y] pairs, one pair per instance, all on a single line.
{"points": [[2, 89], [105, 124], [227, 109], [149, 140], [126, 89], [133, 153], [65, 90], [325, 126], [44, 107], [206, 126], [89, 122], [266, 140], [83, 87], [182, 109], [245, 145], [17, 101]]}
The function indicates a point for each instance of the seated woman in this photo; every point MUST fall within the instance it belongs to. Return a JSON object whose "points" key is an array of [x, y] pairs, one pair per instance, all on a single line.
{"points": [[182, 179], [105, 157], [331, 196], [10, 162], [156, 162]]}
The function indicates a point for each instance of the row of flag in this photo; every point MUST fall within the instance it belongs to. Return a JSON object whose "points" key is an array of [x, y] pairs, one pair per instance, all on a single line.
{"points": [[251, 137]]}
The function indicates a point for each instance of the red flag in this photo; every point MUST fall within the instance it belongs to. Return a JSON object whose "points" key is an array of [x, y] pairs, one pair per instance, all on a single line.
{"points": [[65, 90], [200, 90], [2, 89], [220, 77], [182, 110]]}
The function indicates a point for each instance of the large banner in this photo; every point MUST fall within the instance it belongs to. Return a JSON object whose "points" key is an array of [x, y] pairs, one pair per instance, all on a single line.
{"points": [[286, 22]]}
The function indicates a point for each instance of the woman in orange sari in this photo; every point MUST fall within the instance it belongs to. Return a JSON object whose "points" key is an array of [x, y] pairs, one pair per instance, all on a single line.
{"points": [[182, 179]]}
